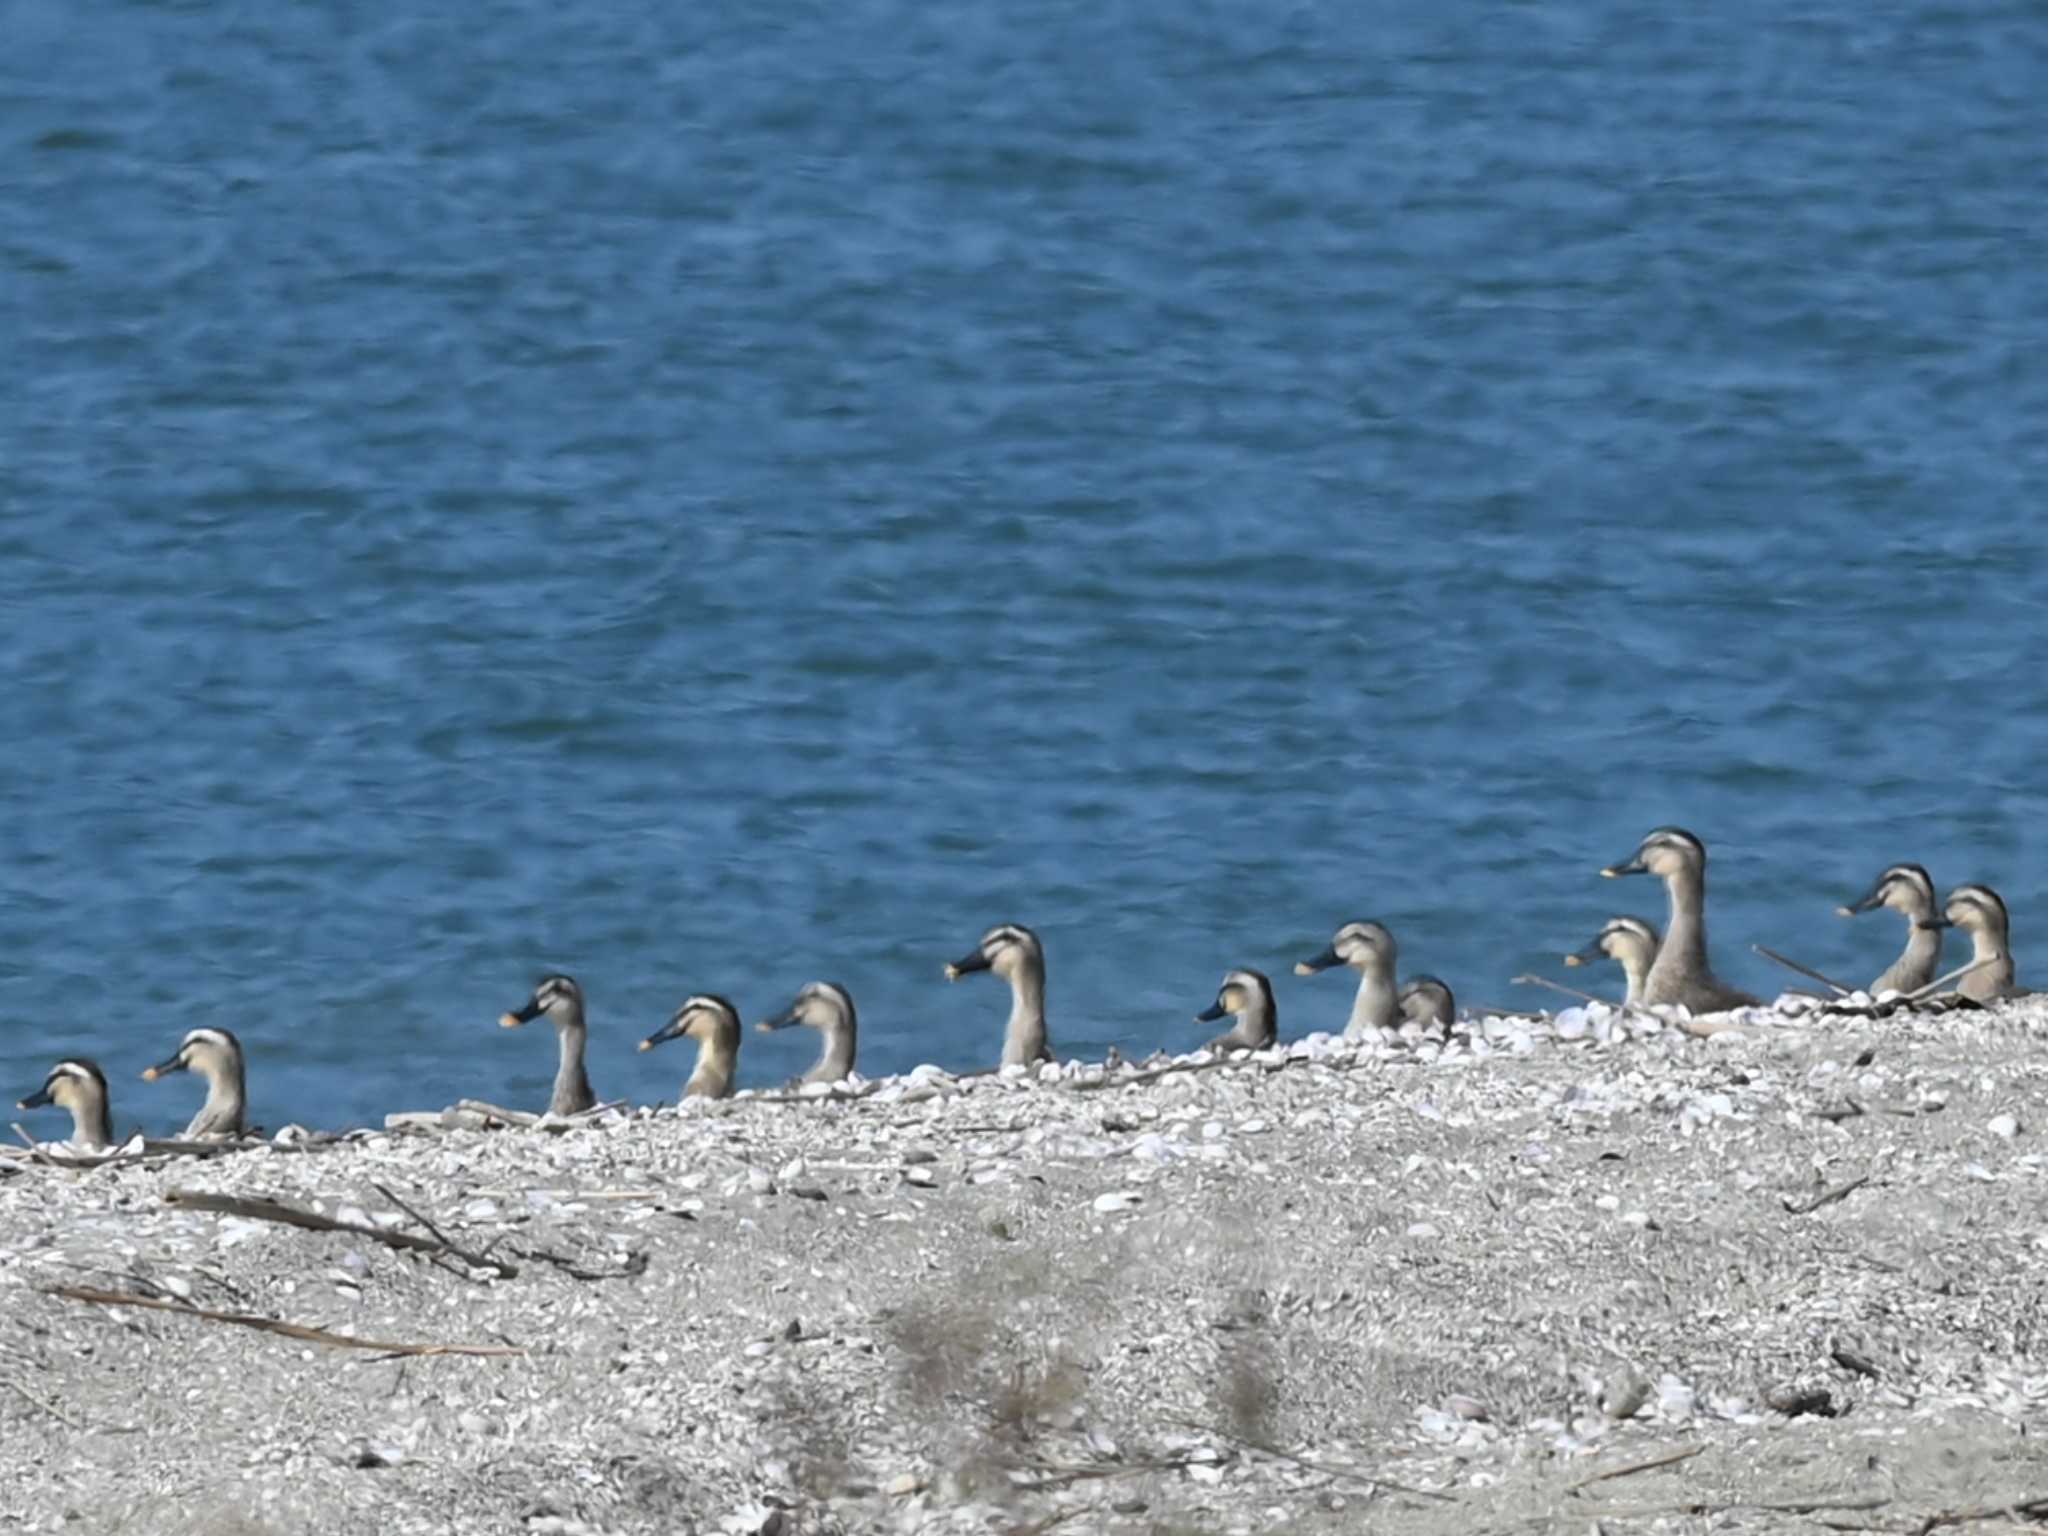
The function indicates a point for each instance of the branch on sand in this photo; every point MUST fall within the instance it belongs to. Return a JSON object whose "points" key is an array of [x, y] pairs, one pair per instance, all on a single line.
{"points": [[2031, 1507], [1803, 970], [298, 1331], [1828, 1196], [633, 1264], [1668, 1459], [313, 1221]]}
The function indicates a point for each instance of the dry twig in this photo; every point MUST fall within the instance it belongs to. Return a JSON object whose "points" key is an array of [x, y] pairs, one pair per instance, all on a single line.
{"points": [[1828, 1196], [272, 1325], [2032, 1507], [313, 1221], [50, 1408], [634, 1263], [1807, 971], [1670, 1458]]}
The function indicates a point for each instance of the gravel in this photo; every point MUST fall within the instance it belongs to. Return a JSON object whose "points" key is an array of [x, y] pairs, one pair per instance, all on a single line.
{"points": [[1404, 1285]]}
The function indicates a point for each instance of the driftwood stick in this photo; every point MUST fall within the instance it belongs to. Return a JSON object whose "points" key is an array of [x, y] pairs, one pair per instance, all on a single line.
{"points": [[2031, 1507], [1669, 1458], [299, 1331], [633, 1264], [1828, 1196], [1923, 993], [441, 1236], [1804, 970], [34, 1153], [1558, 986], [313, 1221], [50, 1408], [475, 1260]]}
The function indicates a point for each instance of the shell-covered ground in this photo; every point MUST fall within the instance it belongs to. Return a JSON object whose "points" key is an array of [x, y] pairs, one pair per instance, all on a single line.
{"points": [[1475, 1287]]}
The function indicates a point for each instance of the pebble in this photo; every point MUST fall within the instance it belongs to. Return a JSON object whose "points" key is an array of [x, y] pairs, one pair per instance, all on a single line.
{"points": [[1623, 1394], [1117, 1200], [922, 1177], [2005, 1126]]}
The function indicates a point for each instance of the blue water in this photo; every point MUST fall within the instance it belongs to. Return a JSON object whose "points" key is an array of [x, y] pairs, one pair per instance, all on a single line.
{"points": [[705, 501]]}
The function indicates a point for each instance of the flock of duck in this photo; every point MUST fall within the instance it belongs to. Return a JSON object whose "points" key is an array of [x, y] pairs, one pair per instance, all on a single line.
{"points": [[1658, 971]]}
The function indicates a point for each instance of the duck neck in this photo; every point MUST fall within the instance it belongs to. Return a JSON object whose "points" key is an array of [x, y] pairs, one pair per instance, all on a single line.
{"points": [[1376, 1006], [712, 1079], [91, 1124], [835, 1061], [1685, 936], [226, 1104], [1255, 1026], [1989, 945], [1923, 949], [1635, 970], [572, 1085], [1024, 1040]]}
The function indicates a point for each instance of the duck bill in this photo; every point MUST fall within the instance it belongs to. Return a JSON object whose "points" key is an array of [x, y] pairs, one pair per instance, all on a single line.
{"points": [[780, 1021], [520, 1016], [1212, 1013], [164, 1068], [1630, 866], [1870, 903], [966, 965], [1329, 959], [668, 1031], [1933, 924], [36, 1100], [1586, 956]]}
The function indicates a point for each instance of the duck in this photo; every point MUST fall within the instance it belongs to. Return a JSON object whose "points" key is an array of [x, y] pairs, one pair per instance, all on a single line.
{"points": [[78, 1084], [714, 1024], [1368, 949], [1681, 973], [216, 1055], [1012, 951], [561, 1000], [1426, 1000], [826, 1007], [1908, 890], [1980, 912], [1246, 994], [1632, 944]]}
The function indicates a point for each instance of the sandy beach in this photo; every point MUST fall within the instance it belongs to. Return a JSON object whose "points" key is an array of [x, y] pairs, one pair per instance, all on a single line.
{"points": [[1585, 1274]]}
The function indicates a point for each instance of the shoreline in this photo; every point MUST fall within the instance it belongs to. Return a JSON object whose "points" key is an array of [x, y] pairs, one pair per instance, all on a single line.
{"points": [[1317, 1288]]}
